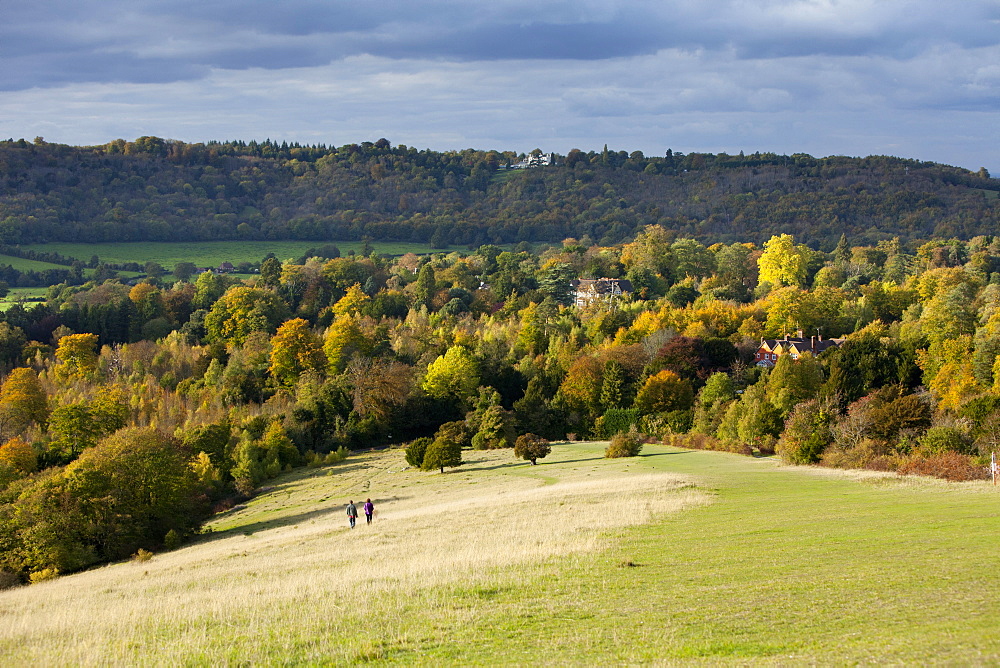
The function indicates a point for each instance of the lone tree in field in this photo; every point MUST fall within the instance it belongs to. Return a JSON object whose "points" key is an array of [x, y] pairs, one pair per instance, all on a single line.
{"points": [[531, 447], [442, 452]]}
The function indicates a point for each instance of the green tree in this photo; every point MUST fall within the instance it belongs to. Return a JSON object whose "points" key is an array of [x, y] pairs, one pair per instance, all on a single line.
{"points": [[134, 487], [807, 432], [270, 272], [445, 450], [73, 429], [792, 381]]}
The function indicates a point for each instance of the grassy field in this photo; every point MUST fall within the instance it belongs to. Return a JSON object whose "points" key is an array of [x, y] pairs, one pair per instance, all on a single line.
{"points": [[674, 556], [26, 295], [211, 253]]}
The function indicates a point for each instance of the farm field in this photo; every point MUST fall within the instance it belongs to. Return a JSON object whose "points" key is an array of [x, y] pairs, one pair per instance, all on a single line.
{"points": [[676, 556], [27, 295], [210, 253]]}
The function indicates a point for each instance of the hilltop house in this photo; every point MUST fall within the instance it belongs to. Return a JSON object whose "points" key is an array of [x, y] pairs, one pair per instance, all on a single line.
{"points": [[589, 290], [771, 349], [540, 160]]}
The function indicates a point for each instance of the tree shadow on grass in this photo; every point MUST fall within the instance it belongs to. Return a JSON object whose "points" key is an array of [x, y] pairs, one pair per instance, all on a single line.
{"points": [[263, 525], [664, 454], [334, 513]]}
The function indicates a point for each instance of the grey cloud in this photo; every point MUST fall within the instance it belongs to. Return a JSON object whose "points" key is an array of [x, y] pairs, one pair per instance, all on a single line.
{"points": [[315, 32]]}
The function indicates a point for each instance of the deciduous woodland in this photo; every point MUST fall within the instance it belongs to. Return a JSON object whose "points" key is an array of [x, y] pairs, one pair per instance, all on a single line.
{"points": [[130, 412], [157, 190]]}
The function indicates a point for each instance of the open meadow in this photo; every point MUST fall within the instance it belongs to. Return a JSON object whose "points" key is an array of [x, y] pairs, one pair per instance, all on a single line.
{"points": [[675, 556], [210, 253]]}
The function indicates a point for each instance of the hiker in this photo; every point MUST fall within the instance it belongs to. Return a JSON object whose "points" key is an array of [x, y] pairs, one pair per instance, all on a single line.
{"points": [[352, 513], [369, 510]]}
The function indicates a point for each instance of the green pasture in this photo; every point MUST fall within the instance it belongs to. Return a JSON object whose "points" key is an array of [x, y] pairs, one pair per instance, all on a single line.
{"points": [[781, 566], [26, 295], [211, 253], [786, 565], [22, 264]]}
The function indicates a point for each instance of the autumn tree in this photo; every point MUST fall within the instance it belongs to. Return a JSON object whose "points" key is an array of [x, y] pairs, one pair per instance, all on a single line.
{"points": [[78, 356], [295, 349], [454, 375], [241, 311], [531, 447], [22, 401], [782, 263], [664, 392], [19, 455]]}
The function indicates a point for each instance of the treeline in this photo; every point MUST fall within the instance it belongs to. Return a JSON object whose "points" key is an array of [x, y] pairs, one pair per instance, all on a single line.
{"points": [[157, 190], [128, 412]]}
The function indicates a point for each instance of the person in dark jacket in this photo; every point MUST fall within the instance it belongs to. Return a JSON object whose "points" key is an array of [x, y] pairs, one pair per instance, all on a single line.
{"points": [[369, 510], [352, 513]]}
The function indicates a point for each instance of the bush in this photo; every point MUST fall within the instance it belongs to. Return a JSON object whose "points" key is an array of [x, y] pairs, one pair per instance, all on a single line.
{"points": [[336, 456], [624, 445], [938, 440], [415, 451], [703, 442], [142, 555], [531, 447], [43, 575], [172, 540], [948, 465]]}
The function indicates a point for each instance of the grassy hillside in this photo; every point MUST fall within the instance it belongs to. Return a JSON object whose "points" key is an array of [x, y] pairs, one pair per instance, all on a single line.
{"points": [[675, 555]]}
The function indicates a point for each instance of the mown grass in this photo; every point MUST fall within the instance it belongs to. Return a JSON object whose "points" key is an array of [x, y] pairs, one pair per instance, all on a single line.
{"points": [[579, 560], [211, 253]]}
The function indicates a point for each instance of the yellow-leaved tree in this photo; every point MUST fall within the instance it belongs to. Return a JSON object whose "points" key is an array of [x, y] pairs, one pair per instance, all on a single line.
{"points": [[78, 356], [22, 402], [782, 262], [295, 349]]}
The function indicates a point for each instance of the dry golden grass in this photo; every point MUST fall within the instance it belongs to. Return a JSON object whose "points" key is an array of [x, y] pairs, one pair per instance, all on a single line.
{"points": [[285, 580]]}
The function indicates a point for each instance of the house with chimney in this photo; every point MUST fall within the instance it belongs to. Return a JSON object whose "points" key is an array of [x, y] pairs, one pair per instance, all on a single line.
{"points": [[587, 291], [771, 349]]}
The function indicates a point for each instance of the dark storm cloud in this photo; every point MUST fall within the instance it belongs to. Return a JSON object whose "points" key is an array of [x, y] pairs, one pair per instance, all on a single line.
{"points": [[54, 43]]}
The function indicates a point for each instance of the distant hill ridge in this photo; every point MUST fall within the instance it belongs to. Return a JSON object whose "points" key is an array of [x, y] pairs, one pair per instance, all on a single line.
{"points": [[160, 190]]}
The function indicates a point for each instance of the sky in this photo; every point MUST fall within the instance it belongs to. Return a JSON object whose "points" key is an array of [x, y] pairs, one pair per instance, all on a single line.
{"points": [[911, 78]]}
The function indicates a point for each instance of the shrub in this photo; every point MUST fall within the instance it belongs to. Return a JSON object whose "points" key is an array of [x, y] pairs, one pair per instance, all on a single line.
{"points": [[43, 575], [949, 465], [531, 447], [415, 451], [624, 445], [945, 439], [172, 540], [142, 555], [336, 456], [703, 442]]}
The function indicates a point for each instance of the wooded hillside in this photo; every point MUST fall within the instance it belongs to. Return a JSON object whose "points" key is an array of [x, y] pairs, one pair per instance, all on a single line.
{"points": [[157, 190]]}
